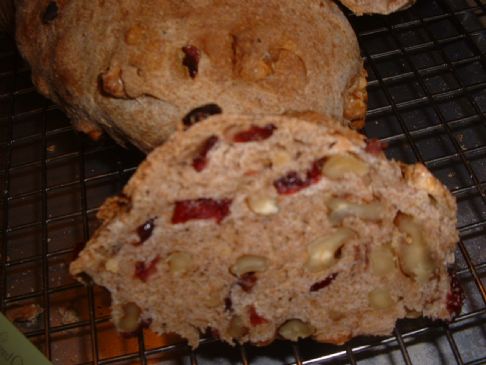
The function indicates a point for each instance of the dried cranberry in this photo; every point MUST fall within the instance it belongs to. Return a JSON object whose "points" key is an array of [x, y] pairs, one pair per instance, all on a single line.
{"points": [[247, 281], [375, 146], [314, 174], [323, 283], [186, 210], [144, 231], [201, 160], [201, 113], [50, 13], [455, 297], [228, 304], [143, 271], [255, 133], [292, 182], [255, 318], [191, 59]]}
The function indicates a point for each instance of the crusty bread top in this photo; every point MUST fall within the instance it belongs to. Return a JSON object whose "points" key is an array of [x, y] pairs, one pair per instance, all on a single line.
{"points": [[360, 7], [136, 68]]}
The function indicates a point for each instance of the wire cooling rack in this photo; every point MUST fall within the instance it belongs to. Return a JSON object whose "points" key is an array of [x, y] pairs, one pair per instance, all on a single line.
{"points": [[427, 100]]}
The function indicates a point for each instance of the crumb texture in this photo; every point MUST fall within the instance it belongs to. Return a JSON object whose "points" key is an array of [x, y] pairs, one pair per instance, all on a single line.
{"points": [[291, 229]]}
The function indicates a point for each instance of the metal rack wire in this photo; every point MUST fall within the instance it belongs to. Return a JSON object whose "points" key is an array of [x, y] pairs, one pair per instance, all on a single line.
{"points": [[427, 99]]}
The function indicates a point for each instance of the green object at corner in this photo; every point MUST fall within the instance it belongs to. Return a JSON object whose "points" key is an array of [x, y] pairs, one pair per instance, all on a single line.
{"points": [[15, 348]]}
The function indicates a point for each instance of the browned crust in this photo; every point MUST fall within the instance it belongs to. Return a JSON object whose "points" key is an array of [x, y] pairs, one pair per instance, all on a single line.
{"points": [[418, 176], [113, 206], [92, 129], [134, 86], [356, 101]]}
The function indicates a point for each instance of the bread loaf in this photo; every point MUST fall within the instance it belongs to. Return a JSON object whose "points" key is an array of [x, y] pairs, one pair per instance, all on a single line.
{"points": [[257, 227], [137, 69]]}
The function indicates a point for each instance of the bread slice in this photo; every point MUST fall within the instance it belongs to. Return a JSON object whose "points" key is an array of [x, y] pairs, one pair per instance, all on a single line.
{"points": [[263, 226], [360, 7], [136, 71]]}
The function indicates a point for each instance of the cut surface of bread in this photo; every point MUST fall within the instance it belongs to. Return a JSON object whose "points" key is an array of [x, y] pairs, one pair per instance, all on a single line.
{"points": [[257, 227], [137, 69], [360, 7]]}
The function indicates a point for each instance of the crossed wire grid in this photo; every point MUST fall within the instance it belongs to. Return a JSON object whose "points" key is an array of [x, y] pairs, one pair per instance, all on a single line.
{"points": [[427, 100]]}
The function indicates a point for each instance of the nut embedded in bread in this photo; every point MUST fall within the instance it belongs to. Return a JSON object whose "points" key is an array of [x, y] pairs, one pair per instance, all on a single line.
{"points": [[289, 228], [151, 65]]}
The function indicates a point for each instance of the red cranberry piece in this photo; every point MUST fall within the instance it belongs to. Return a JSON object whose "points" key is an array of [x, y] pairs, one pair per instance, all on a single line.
{"points": [[375, 146], [186, 210], [290, 184], [191, 59], [200, 113], [50, 13], [314, 174], [323, 283], [255, 133], [247, 281], [143, 271], [201, 160], [255, 318], [455, 297], [228, 304], [144, 231]]}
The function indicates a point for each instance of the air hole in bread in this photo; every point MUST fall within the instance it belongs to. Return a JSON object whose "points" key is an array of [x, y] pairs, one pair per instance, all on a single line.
{"points": [[324, 283]]}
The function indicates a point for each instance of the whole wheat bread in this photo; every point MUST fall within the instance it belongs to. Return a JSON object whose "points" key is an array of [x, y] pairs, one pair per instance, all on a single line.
{"points": [[136, 69], [257, 227]]}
